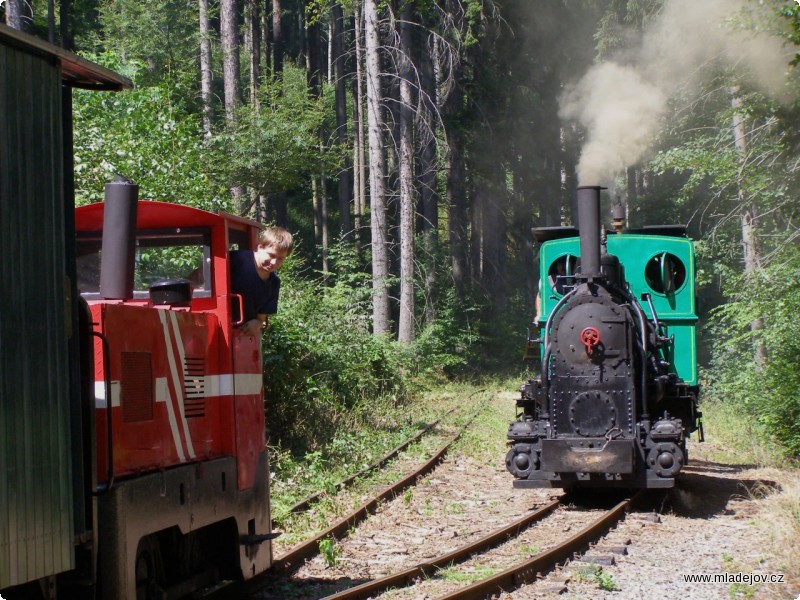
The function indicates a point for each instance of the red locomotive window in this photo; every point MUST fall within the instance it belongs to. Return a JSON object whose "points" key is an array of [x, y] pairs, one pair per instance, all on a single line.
{"points": [[163, 254]]}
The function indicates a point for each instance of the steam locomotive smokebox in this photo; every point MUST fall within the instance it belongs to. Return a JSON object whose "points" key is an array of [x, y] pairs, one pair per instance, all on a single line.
{"points": [[173, 292], [119, 239]]}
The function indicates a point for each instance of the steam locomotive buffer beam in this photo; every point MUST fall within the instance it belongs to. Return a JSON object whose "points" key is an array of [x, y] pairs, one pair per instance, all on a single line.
{"points": [[561, 456]]}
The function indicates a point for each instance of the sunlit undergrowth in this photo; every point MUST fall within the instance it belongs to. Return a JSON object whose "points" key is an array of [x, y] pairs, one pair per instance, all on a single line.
{"points": [[766, 393], [326, 374]]}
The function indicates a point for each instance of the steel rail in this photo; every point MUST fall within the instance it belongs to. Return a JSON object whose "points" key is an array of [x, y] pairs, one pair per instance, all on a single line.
{"points": [[294, 558], [405, 577], [544, 561]]}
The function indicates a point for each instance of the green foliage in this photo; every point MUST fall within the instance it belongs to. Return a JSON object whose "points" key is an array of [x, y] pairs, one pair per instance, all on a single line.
{"points": [[770, 393], [162, 35], [324, 368], [320, 359], [274, 146], [719, 183], [147, 136], [330, 551]]}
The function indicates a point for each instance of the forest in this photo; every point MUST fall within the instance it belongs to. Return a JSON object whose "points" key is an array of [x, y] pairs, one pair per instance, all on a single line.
{"points": [[411, 145]]}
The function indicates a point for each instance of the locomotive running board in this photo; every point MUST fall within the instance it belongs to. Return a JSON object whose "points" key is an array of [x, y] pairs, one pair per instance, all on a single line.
{"points": [[561, 456]]}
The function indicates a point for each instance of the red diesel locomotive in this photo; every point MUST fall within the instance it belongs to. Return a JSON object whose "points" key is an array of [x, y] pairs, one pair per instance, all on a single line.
{"points": [[182, 466]]}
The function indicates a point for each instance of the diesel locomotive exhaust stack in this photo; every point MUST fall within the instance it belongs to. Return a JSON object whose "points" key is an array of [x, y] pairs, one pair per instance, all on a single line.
{"points": [[119, 239], [589, 225]]}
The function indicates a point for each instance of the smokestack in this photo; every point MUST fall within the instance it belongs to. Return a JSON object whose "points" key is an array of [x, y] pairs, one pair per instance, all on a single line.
{"points": [[589, 225], [119, 239]]}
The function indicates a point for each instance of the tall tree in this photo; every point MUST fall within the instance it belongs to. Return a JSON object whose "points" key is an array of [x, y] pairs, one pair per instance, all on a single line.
{"points": [[405, 328], [65, 26], [253, 44], [51, 21], [206, 95], [748, 217], [14, 14], [380, 250], [340, 86], [426, 132], [359, 139], [319, 196], [277, 38], [456, 190], [231, 69]]}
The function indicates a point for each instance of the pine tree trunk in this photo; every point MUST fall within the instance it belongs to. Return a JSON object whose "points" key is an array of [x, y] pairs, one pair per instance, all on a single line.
{"points": [[51, 21], [429, 197], [338, 56], [14, 14], [456, 192], [748, 215], [314, 76], [277, 39], [64, 25], [266, 40], [405, 329], [253, 29], [205, 69], [380, 253], [230, 48], [232, 74], [359, 162]]}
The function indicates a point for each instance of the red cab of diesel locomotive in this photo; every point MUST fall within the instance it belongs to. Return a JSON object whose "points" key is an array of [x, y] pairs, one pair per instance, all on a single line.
{"points": [[182, 383]]}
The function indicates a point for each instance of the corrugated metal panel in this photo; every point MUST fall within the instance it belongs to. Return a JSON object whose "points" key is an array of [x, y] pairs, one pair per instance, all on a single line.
{"points": [[36, 520]]}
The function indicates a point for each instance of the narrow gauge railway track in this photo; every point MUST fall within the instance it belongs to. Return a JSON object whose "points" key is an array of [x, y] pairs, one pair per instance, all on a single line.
{"points": [[306, 503], [510, 578], [295, 557]]}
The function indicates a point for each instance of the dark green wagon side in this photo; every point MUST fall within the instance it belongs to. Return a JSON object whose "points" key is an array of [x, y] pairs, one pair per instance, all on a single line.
{"points": [[43, 489]]}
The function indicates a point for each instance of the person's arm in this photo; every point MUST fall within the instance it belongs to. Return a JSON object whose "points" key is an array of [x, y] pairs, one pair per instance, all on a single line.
{"points": [[256, 326]]}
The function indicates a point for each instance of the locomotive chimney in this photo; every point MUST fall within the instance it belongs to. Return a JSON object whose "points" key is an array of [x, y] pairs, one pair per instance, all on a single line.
{"points": [[119, 239], [589, 225]]}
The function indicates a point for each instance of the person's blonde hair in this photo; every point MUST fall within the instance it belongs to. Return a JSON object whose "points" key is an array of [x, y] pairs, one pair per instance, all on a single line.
{"points": [[277, 237]]}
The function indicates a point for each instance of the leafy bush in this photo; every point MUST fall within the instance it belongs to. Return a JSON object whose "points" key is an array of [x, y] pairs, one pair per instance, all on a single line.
{"points": [[768, 392], [320, 360], [324, 371]]}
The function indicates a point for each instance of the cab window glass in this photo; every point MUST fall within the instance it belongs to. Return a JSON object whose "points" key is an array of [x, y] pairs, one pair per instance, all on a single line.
{"points": [[561, 274], [160, 255], [665, 273]]}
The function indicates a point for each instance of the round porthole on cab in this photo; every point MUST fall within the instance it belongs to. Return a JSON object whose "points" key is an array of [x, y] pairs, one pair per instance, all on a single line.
{"points": [[665, 273], [561, 273]]}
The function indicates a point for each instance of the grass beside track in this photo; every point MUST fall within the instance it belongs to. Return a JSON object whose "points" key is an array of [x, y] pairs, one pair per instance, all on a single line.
{"points": [[732, 438]]}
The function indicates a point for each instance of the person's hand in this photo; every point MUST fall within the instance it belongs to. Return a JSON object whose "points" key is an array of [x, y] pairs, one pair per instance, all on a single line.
{"points": [[252, 327]]}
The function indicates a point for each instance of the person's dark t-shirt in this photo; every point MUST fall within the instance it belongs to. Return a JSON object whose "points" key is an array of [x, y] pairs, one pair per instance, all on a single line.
{"points": [[258, 296]]}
